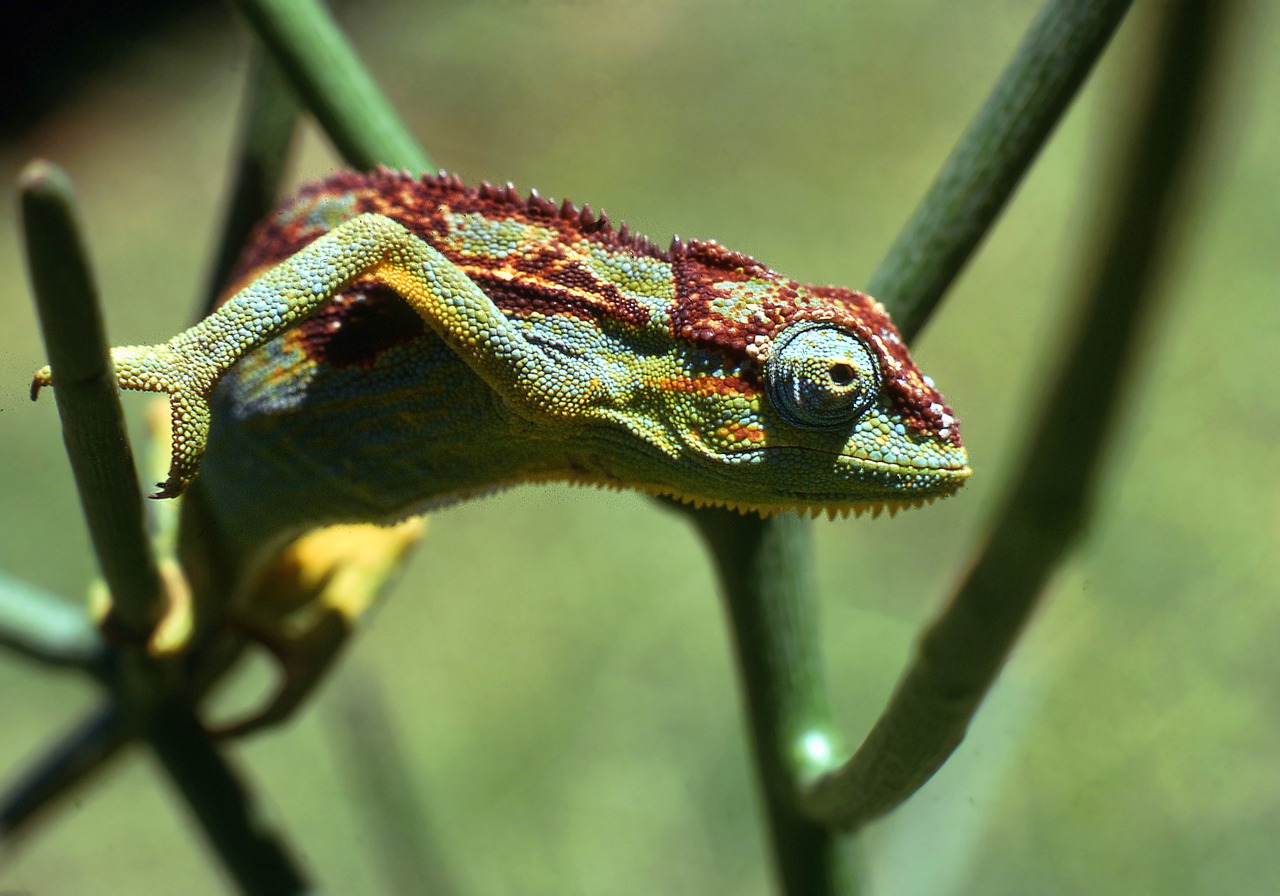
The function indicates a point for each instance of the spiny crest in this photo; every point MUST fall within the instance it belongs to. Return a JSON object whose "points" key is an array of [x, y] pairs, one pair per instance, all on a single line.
{"points": [[813, 511], [507, 199], [383, 188]]}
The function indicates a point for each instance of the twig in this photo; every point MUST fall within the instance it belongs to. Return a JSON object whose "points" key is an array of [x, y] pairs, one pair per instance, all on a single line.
{"points": [[764, 567], [93, 429], [82, 752], [255, 857]]}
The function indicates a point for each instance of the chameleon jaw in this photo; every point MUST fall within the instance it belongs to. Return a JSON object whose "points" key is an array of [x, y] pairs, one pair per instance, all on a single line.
{"points": [[874, 507], [811, 508]]}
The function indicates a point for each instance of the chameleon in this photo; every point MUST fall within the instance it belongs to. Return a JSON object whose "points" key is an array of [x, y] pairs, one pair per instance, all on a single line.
{"points": [[390, 344]]}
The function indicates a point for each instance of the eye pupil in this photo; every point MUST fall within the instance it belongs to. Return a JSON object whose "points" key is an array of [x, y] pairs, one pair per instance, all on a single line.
{"points": [[842, 374]]}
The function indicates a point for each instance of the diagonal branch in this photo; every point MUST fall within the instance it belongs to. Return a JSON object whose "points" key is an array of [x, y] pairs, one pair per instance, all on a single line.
{"points": [[329, 79], [270, 115], [49, 630], [990, 159], [79, 754], [229, 815]]}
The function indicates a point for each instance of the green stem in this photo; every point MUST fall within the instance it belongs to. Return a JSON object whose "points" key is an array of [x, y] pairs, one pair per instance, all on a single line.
{"points": [[47, 629], [224, 808], [330, 80], [83, 752], [1051, 497], [987, 164], [325, 72], [88, 402], [769, 598], [269, 117], [93, 428]]}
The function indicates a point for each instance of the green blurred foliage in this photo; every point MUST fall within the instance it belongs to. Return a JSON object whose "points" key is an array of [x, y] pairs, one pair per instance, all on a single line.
{"points": [[555, 659]]}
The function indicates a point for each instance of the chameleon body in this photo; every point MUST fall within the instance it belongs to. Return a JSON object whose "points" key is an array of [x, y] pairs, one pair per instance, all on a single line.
{"points": [[392, 343], [566, 350]]}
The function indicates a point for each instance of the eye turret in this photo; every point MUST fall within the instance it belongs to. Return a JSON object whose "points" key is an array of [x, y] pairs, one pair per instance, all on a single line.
{"points": [[821, 376]]}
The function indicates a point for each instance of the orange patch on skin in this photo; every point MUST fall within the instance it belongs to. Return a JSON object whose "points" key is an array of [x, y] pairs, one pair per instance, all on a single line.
{"points": [[745, 433], [708, 385]]}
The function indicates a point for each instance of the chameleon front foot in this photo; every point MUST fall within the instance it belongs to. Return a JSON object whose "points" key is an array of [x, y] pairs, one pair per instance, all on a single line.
{"points": [[162, 368]]}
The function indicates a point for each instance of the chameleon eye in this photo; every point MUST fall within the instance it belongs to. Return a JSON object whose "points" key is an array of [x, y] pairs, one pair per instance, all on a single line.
{"points": [[819, 375]]}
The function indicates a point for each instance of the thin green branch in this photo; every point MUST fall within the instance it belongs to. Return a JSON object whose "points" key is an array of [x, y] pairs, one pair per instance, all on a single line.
{"points": [[88, 401], [987, 164], [269, 117], [323, 70], [1050, 501], [330, 80], [47, 629], [764, 567], [250, 851], [79, 754]]}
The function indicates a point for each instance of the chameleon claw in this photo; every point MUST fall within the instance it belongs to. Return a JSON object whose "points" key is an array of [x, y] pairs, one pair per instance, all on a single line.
{"points": [[189, 419], [305, 607], [170, 488]]}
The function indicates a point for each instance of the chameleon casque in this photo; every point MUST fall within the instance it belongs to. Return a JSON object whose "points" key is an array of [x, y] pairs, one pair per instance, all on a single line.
{"points": [[391, 344]]}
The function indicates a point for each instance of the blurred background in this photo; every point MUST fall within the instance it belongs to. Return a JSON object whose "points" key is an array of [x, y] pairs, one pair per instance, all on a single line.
{"points": [[554, 664]]}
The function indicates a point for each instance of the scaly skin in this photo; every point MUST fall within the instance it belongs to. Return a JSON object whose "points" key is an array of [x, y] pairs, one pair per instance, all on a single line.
{"points": [[398, 343]]}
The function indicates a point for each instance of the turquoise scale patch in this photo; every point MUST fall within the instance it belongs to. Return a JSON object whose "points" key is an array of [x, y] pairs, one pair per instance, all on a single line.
{"points": [[474, 234], [645, 280]]}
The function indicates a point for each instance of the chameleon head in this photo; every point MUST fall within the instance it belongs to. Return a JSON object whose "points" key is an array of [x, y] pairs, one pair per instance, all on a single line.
{"points": [[799, 397]]}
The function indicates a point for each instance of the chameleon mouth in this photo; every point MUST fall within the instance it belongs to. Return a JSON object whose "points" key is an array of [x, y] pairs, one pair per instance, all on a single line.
{"points": [[956, 468]]}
